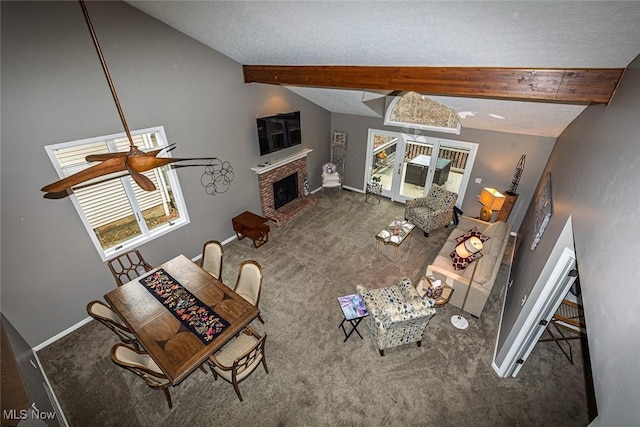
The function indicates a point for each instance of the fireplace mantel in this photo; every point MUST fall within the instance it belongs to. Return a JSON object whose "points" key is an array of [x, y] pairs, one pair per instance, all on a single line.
{"points": [[262, 169]]}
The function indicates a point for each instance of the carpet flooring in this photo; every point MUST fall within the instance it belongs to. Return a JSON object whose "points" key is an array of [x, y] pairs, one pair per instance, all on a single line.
{"points": [[315, 378]]}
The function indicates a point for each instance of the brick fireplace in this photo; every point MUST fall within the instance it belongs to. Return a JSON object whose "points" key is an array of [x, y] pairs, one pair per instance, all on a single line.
{"points": [[267, 175]]}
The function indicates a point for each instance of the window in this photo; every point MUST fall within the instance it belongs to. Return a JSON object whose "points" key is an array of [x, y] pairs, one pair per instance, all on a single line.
{"points": [[417, 111], [117, 213]]}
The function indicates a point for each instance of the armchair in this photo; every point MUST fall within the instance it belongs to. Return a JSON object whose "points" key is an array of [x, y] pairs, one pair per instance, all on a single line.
{"points": [[433, 211], [397, 314], [331, 178]]}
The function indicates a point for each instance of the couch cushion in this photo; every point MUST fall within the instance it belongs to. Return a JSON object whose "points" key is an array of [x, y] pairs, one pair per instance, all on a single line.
{"points": [[485, 268], [496, 229]]}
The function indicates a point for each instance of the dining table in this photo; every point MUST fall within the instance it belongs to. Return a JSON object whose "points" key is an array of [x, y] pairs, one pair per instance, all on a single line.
{"points": [[160, 307]]}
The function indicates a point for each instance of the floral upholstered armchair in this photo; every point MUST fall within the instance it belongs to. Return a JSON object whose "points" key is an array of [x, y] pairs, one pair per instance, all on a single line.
{"points": [[433, 211], [397, 314]]}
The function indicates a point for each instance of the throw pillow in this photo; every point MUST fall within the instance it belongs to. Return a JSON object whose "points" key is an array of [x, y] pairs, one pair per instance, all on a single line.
{"points": [[474, 232], [460, 263]]}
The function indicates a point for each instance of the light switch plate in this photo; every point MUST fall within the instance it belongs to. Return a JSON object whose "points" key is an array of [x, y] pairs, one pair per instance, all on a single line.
{"points": [[478, 180]]}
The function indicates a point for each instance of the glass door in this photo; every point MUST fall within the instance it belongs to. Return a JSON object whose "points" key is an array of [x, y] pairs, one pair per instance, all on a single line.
{"points": [[406, 165], [381, 155], [446, 163], [413, 168]]}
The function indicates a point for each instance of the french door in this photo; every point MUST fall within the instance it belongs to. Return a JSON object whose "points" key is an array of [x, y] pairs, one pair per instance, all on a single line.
{"points": [[407, 165]]}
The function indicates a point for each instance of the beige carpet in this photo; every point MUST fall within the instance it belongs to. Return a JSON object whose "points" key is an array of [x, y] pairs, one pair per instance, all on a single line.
{"points": [[315, 378]]}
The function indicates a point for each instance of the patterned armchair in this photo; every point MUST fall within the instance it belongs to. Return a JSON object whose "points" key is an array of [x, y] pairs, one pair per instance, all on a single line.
{"points": [[397, 314], [433, 211]]}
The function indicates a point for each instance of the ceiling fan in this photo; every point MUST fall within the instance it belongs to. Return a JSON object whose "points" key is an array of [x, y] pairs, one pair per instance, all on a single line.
{"points": [[133, 162]]}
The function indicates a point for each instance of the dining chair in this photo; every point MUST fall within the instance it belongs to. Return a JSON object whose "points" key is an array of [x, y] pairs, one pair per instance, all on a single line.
{"points": [[128, 266], [141, 364], [239, 358], [249, 283], [212, 254], [109, 318]]}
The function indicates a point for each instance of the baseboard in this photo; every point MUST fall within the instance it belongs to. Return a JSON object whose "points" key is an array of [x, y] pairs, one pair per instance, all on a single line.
{"points": [[89, 318], [62, 334]]}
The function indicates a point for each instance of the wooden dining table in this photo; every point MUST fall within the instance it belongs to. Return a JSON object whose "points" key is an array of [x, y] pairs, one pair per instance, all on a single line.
{"points": [[173, 346]]}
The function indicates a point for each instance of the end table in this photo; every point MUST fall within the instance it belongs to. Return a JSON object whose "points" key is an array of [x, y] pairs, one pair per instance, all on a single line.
{"points": [[354, 310]]}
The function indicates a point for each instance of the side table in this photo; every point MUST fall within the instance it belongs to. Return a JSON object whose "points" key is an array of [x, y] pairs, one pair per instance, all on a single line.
{"points": [[253, 226], [442, 300], [354, 310], [373, 192]]}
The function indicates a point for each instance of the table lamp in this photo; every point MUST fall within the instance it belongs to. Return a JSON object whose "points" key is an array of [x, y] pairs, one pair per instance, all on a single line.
{"points": [[466, 250], [491, 200]]}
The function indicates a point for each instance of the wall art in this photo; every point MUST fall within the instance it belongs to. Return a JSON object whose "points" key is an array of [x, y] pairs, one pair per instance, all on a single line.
{"points": [[543, 210]]}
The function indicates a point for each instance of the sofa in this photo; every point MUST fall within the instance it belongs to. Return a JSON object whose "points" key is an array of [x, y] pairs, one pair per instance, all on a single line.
{"points": [[433, 211], [397, 314], [487, 268]]}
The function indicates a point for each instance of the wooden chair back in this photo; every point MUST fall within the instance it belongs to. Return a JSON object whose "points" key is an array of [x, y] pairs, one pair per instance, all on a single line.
{"points": [[141, 364], [128, 266], [249, 282], [212, 254], [109, 318]]}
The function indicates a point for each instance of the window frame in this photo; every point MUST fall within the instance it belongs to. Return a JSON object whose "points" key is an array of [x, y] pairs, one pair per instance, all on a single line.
{"points": [[146, 234], [389, 122]]}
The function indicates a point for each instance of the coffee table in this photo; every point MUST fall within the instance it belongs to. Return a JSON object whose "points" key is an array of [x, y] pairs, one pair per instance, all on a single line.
{"points": [[253, 226], [394, 234]]}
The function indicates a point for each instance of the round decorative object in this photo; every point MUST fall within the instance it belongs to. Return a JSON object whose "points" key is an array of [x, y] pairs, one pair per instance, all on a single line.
{"points": [[434, 292], [485, 213]]}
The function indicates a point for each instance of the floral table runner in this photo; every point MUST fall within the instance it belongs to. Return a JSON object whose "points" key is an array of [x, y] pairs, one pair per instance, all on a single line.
{"points": [[200, 319]]}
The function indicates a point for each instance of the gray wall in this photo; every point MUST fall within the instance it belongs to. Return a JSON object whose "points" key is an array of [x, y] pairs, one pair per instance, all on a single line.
{"points": [[594, 171], [54, 90], [496, 160]]}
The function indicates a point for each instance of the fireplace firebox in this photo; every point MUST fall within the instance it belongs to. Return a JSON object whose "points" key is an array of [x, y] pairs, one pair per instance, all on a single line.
{"points": [[285, 190]]}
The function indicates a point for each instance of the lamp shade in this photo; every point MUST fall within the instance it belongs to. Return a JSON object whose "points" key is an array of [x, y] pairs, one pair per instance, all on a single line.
{"points": [[469, 247], [491, 198]]}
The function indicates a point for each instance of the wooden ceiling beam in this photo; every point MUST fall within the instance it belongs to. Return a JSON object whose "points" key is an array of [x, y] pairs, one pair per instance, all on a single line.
{"points": [[569, 86]]}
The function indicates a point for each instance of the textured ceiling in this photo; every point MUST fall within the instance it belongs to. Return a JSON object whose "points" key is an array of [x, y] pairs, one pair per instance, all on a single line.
{"points": [[537, 34]]}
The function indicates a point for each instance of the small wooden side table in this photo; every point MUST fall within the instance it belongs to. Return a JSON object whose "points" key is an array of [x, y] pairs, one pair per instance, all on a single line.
{"points": [[443, 299], [253, 226]]}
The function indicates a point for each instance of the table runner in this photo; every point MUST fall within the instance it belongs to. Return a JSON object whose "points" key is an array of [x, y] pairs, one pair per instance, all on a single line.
{"points": [[200, 319]]}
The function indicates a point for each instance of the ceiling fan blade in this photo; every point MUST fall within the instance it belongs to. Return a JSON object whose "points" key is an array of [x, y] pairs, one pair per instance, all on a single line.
{"points": [[102, 157], [145, 183], [145, 163], [114, 164]]}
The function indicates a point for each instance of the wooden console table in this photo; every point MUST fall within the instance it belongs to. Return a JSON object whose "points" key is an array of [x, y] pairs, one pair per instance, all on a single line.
{"points": [[253, 226]]}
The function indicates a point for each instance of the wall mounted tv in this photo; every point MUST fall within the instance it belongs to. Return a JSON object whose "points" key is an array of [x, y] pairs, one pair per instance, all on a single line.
{"points": [[279, 132]]}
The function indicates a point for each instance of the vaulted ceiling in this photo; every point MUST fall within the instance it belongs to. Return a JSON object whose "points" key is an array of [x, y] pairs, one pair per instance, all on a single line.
{"points": [[507, 34]]}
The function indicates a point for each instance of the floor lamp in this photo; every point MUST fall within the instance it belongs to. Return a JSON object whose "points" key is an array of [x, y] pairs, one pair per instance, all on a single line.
{"points": [[466, 250]]}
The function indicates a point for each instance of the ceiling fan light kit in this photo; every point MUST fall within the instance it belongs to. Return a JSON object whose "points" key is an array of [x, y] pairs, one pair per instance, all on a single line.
{"points": [[134, 162]]}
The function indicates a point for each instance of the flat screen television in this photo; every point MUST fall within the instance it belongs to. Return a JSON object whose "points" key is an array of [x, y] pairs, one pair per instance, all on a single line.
{"points": [[279, 132]]}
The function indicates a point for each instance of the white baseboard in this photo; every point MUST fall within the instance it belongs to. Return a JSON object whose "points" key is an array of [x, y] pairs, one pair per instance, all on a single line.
{"points": [[89, 318], [62, 334]]}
